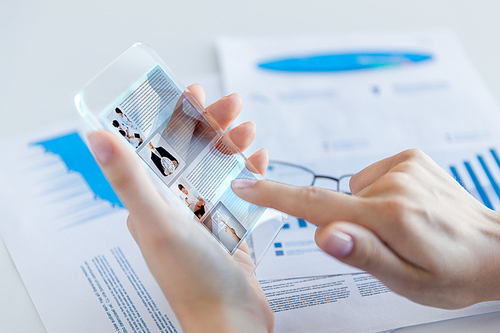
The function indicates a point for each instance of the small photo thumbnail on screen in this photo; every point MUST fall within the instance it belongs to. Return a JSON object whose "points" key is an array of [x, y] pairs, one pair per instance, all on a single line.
{"points": [[225, 227], [192, 198], [126, 127], [161, 158]]}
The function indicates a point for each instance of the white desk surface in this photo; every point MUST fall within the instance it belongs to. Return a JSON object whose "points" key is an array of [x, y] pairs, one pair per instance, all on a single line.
{"points": [[49, 49]]}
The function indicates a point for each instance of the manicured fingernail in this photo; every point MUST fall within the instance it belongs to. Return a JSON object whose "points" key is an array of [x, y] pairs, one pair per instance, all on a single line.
{"points": [[338, 244], [100, 146], [240, 184]]}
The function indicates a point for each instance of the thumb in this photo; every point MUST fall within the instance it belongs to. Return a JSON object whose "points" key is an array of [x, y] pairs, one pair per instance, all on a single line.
{"points": [[124, 171], [151, 218], [361, 248], [153, 223]]}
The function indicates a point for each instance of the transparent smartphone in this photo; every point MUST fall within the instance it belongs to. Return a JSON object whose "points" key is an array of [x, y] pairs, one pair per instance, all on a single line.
{"points": [[138, 98]]}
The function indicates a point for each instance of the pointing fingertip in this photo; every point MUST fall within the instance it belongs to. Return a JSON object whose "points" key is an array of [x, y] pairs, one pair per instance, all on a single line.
{"points": [[241, 184], [100, 146]]}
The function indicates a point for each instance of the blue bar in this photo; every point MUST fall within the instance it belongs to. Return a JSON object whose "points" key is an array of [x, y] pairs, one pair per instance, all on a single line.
{"points": [[342, 62], [490, 176], [479, 188], [495, 156], [78, 158], [455, 174], [286, 226], [280, 253], [302, 223], [277, 245]]}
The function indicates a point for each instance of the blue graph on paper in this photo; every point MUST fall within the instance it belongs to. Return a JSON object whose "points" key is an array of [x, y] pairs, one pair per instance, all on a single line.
{"points": [[81, 202], [484, 190], [293, 223], [343, 62]]}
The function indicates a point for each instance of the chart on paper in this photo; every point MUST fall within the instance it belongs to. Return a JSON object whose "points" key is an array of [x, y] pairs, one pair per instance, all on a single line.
{"points": [[294, 249], [66, 171], [325, 95], [478, 171], [65, 220]]}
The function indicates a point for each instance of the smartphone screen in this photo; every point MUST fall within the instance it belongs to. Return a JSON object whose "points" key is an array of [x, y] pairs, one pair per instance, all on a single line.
{"points": [[189, 156]]}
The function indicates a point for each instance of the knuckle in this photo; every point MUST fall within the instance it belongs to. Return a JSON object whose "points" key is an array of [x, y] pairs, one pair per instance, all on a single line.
{"points": [[369, 256], [399, 182], [395, 211], [398, 208], [120, 180], [310, 196], [131, 223], [415, 157], [310, 193], [354, 183], [146, 237], [131, 227]]}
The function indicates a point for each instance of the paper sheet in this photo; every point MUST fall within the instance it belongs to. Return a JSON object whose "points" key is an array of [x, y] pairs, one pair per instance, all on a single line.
{"points": [[380, 96], [92, 269], [94, 277], [65, 230], [349, 303]]}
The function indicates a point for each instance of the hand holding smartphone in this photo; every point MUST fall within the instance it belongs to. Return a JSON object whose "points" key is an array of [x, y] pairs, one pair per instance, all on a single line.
{"points": [[139, 99]]}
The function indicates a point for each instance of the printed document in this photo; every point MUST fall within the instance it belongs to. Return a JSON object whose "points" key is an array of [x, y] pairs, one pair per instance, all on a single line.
{"points": [[66, 232], [65, 228], [349, 303], [317, 96]]}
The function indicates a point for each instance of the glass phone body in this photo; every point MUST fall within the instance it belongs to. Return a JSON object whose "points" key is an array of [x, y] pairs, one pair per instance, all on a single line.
{"points": [[138, 98]]}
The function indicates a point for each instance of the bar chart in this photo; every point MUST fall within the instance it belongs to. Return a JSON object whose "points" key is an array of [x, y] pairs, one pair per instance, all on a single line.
{"points": [[65, 171], [478, 172]]}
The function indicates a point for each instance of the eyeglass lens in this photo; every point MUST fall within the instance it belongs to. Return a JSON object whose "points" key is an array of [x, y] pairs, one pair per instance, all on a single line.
{"points": [[326, 183], [295, 175]]}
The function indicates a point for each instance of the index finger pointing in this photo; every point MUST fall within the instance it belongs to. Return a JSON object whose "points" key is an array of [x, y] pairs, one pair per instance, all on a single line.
{"points": [[316, 205]]}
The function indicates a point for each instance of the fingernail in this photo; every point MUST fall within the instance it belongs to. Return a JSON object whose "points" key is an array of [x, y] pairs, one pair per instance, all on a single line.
{"points": [[239, 184], [100, 147], [338, 244], [234, 94]]}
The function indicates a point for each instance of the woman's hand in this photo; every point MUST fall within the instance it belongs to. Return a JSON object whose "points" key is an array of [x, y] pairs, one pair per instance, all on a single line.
{"points": [[207, 288], [408, 223]]}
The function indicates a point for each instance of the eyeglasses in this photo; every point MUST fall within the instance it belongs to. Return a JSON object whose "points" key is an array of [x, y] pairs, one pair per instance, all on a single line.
{"points": [[298, 175]]}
